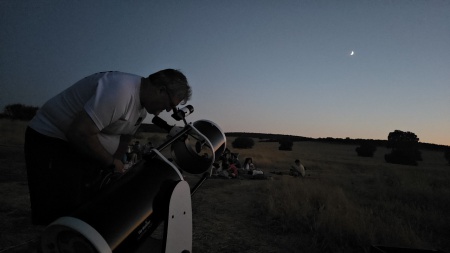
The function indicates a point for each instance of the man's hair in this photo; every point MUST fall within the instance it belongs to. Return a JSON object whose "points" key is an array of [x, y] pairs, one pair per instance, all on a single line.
{"points": [[174, 81]]}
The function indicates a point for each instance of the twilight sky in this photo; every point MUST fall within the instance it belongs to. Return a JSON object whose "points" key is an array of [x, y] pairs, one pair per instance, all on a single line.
{"points": [[281, 67]]}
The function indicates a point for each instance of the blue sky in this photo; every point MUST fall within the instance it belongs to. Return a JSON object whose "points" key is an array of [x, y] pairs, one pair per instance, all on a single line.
{"points": [[255, 66]]}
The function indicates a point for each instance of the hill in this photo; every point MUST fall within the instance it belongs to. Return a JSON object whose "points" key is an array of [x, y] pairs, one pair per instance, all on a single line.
{"points": [[264, 137]]}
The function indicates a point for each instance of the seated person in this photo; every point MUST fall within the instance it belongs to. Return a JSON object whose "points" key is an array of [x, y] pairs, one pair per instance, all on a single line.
{"points": [[298, 169], [215, 169], [235, 160], [248, 165], [147, 148], [233, 170], [137, 150], [130, 156], [223, 170]]}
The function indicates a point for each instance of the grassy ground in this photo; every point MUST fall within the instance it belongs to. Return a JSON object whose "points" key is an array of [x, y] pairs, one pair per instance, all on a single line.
{"points": [[15, 228], [348, 203], [345, 204]]}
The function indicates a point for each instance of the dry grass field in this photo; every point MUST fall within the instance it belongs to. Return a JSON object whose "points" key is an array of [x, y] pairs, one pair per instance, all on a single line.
{"points": [[345, 204]]}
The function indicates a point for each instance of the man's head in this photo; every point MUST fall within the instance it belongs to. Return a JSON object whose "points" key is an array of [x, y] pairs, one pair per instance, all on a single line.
{"points": [[164, 90]]}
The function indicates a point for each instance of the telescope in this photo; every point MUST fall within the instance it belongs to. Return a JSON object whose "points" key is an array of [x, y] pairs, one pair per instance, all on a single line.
{"points": [[127, 211]]}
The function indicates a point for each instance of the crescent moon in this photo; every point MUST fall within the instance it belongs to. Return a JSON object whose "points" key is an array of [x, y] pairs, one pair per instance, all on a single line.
{"points": [[352, 53]]}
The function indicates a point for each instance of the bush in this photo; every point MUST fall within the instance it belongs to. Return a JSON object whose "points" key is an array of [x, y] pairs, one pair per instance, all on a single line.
{"points": [[405, 157], [404, 148], [19, 112], [286, 145], [447, 155], [366, 149], [243, 142]]}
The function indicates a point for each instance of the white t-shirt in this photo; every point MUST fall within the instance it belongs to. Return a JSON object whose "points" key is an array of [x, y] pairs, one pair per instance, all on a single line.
{"points": [[110, 98], [301, 169]]}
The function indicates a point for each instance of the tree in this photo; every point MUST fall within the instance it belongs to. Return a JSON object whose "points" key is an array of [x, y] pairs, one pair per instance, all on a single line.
{"points": [[400, 139], [366, 149], [404, 148], [243, 142], [19, 112]]}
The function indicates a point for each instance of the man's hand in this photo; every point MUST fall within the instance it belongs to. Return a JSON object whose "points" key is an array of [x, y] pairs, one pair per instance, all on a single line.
{"points": [[118, 166]]}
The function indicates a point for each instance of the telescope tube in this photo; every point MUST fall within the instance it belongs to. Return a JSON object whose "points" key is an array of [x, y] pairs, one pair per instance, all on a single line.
{"points": [[121, 216]]}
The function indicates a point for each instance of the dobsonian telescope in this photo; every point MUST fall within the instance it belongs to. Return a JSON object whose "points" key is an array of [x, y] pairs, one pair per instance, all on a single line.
{"points": [[128, 210]]}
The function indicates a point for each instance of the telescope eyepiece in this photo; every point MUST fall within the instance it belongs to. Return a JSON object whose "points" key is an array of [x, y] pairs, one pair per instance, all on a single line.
{"points": [[180, 114]]}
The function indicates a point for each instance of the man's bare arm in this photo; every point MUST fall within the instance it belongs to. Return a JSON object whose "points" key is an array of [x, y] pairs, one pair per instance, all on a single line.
{"points": [[83, 134]]}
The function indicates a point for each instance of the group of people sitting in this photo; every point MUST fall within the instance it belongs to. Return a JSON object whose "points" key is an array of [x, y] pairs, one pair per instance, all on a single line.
{"points": [[229, 166]]}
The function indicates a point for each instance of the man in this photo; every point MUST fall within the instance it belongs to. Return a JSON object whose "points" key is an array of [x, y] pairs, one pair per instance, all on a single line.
{"points": [[87, 128], [298, 169]]}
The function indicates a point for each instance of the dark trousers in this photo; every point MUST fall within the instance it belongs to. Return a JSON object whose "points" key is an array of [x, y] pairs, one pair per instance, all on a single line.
{"points": [[60, 179]]}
